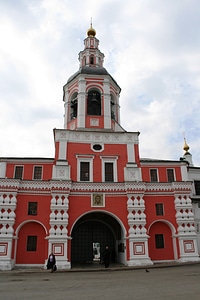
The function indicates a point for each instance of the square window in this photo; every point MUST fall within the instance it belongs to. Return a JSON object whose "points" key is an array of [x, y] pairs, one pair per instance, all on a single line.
{"points": [[109, 168], [159, 239], [84, 171], [153, 175], [197, 187], [170, 175], [31, 243], [37, 173], [109, 175], [18, 172], [159, 209], [32, 208], [85, 167]]}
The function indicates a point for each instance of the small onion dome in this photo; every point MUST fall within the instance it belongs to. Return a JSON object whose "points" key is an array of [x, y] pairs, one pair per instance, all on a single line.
{"points": [[91, 31], [185, 146]]}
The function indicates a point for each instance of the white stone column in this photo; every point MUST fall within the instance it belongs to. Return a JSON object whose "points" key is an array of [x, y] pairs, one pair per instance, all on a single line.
{"points": [[66, 107], [7, 220], [81, 103], [118, 109], [61, 170], [58, 233], [138, 238], [3, 169], [187, 236], [107, 108]]}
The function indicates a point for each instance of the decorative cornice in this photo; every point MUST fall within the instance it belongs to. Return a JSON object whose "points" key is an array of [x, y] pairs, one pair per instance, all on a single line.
{"points": [[135, 187], [93, 136], [166, 188], [9, 185], [98, 187], [62, 186]]}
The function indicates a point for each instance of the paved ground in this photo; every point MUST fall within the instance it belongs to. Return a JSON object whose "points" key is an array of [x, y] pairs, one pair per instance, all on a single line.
{"points": [[160, 283]]}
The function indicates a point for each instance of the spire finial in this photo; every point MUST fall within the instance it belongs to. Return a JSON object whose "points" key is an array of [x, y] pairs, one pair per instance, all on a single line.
{"points": [[187, 155], [91, 31], [185, 146]]}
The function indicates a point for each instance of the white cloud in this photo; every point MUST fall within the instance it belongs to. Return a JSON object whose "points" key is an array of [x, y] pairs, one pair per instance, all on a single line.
{"points": [[151, 48]]}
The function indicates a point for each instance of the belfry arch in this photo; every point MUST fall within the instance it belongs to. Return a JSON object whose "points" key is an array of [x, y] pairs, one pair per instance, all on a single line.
{"points": [[91, 233], [94, 103]]}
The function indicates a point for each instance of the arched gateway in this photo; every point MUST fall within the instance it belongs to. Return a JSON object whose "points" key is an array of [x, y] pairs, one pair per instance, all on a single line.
{"points": [[90, 235]]}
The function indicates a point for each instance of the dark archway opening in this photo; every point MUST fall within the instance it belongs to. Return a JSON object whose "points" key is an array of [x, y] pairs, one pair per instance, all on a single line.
{"points": [[94, 103], [90, 236]]}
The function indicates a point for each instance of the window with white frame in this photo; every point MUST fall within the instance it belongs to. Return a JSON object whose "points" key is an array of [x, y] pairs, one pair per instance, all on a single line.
{"points": [[170, 175], [18, 172], [84, 171], [109, 169], [85, 168], [37, 173], [153, 175]]}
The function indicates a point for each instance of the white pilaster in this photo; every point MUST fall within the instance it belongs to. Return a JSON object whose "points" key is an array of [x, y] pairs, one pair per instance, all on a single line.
{"points": [[81, 103], [138, 238], [187, 236], [107, 108], [62, 150], [58, 233], [66, 106], [3, 169], [7, 220]]}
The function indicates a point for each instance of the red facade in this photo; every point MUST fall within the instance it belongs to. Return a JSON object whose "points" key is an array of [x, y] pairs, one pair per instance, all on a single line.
{"points": [[96, 191]]}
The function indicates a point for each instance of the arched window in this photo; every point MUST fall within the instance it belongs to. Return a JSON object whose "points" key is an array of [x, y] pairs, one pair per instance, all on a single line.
{"points": [[92, 60], [113, 107], [94, 103], [74, 106]]}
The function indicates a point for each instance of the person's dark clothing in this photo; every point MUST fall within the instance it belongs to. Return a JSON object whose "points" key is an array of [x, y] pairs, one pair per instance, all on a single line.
{"points": [[106, 257], [51, 261]]}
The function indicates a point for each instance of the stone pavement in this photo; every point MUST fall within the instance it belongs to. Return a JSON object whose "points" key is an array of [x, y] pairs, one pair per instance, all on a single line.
{"points": [[163, 281]]}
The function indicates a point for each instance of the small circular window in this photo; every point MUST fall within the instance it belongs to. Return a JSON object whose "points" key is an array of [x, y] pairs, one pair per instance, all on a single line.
{"points": [[97, 147]]}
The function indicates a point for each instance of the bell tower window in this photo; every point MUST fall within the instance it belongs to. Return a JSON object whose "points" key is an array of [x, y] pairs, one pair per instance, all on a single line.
{"points": [[94, 103], [73, 106], [92, 60], [112, 108]]}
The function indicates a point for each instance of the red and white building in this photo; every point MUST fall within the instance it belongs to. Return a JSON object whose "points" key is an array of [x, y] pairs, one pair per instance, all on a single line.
{"points": [[97, 190]]}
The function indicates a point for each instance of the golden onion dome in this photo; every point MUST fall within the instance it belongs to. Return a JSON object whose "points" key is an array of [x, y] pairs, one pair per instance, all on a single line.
{"points": [[91, 31], [185, 146]]}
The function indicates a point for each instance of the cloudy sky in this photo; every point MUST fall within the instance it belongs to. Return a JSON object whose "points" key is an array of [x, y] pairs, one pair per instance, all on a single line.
{"points": [[151, 47]]}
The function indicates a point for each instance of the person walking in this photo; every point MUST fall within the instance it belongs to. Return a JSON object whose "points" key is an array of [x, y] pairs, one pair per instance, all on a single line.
{"points": [[51, 264], [106, 257]]}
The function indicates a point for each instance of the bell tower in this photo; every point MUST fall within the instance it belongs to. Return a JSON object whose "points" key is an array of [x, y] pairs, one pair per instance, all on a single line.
{"points": [[91, 95]]}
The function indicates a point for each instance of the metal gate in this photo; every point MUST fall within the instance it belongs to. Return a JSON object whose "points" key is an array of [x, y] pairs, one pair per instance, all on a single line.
{"points": [[85, 235]]}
